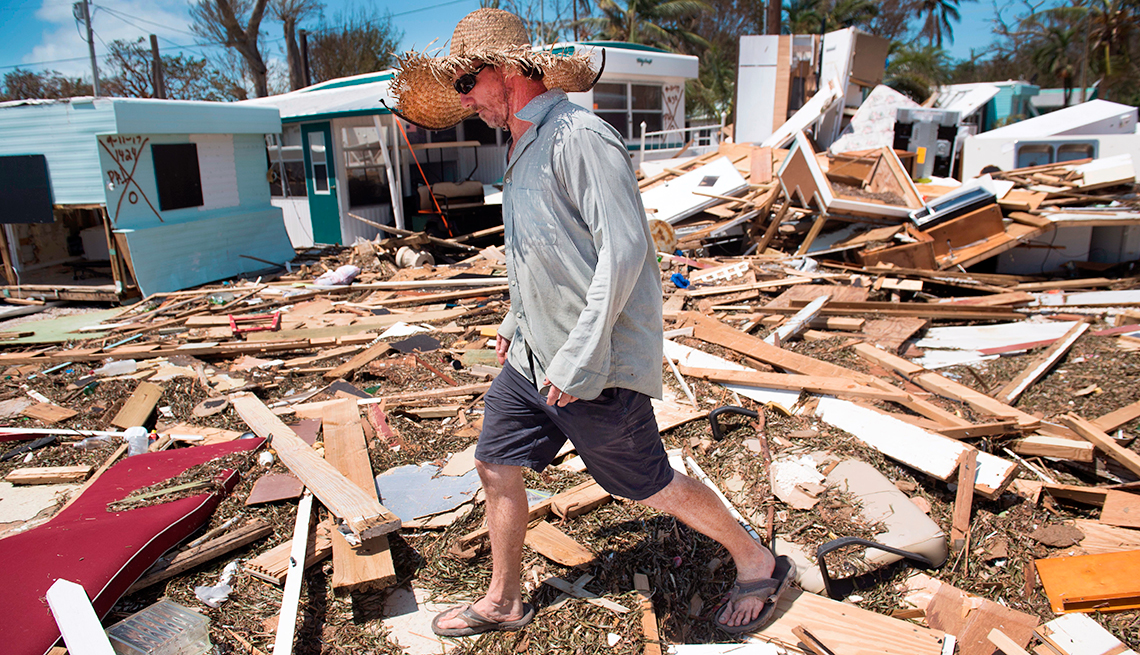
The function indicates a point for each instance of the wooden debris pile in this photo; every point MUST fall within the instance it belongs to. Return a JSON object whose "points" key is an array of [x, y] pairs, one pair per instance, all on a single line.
{"points": [[984, 423]]}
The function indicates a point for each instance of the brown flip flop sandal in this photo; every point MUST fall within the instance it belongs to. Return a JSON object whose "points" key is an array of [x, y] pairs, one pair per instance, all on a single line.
{"points": [[769, 589], [478, 624]]}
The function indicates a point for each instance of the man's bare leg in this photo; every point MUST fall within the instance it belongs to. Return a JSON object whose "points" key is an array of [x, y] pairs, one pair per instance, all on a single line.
{"points": [[506, 528], [698, 507]]}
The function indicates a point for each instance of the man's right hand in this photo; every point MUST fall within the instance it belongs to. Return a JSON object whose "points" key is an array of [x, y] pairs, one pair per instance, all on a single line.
{"points": [[502, 345]]}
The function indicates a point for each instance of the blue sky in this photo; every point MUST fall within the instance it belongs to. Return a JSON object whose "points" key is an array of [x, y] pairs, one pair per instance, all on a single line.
{"points": [[43, 34]]}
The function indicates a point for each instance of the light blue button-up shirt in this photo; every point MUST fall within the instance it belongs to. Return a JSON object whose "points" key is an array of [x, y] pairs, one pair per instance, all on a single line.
{"points": [[585, 287]]}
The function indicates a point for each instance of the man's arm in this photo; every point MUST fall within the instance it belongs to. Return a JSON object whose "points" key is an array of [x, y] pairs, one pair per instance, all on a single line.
{"points": [[595, 170]]}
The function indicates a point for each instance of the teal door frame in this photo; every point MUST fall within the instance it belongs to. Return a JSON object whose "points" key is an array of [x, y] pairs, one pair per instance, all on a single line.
{"points": [[320, 180]]}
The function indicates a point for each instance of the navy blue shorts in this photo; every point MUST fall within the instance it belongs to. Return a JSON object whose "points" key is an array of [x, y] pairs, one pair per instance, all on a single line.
{"points": [[615, 434]]}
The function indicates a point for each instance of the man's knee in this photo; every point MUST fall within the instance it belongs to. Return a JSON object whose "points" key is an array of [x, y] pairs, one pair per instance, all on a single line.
{"points": [[494, 475]]}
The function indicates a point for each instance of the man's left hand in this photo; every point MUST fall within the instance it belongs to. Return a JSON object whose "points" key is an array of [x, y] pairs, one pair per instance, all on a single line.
{"points": [[557, 396]]}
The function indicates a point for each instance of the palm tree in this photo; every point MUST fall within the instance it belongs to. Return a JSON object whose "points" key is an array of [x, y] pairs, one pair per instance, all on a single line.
{"points": [[711, 94], [1055, 56], [804, 16], [939, 14], [649, 22], [915, 70], [811, 16]]}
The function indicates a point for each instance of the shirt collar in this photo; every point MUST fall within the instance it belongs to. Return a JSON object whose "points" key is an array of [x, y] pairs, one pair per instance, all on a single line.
{"points": [[535, 112]]}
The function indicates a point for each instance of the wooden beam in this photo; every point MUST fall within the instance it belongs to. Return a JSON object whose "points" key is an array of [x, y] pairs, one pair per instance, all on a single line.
{"points": [[202, 553], [648, 617], [139, 406], [1040, 365], [556, 545], [1047, 446], [272, 565], [370, 565], [359, 360], [49, 475], [811, 383], [1118, 418], [1004, 643], [361, 511], [964, 501], [1087, 430], [935, 383]]}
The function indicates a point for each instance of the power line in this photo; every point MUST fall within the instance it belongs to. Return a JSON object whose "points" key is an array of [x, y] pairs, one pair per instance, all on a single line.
{"points": [[123, 17], [442, 4]]}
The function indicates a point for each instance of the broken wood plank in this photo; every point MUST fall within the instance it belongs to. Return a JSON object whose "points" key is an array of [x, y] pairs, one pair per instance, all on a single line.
{"points": [[1078, 634], [1118, 418], [1040, 365], [964, 500], [467, 546], [980, 430], [796, 323], [49, 475], [919, 310], [139, 406], [1121, 509], [359, 360], [579, 501], [272, 565], [925, 451], [859, 630], [290, 601], [935, 383], [892, 333], [1088, 583], [556, 545], [360, 510], [78, 623], [1087, 430], [370, 565], [49, 413], [1004, 643], [594, 599], [648, 617], [811, 383], [191, 557], [1047, 446], [446, 392]]}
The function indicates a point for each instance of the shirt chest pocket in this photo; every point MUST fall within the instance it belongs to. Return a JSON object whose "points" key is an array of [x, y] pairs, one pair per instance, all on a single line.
{"points": [[533, 216]]}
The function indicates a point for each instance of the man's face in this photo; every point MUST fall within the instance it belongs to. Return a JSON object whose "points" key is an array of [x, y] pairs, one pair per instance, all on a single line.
{"points": [[488, 97]]}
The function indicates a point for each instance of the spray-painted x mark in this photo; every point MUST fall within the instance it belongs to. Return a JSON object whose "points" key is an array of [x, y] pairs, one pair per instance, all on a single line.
{"points": [[129, 179]]}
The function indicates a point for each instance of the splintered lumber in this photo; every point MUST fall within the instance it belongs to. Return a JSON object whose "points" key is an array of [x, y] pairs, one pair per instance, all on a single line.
{"points": [[272, 565], [49, 413], [1003, 642], [370, 565], [1092, 583], [360, 510], [1121, 509], [1077, 634], [1119, 418], [287, 619], [814, 645], [915, 309], [798, 322], [964, 501], [942, 386], [202, 553], [1087, 430], [1046, 446], [576, 592], [78, 623], [579, 500], [446, 392], [359, 360], [970, 618], [1101, 538], [467, 546], [648, 616], [832, 386], [49, 475], [556, 545], [929, 452], [1085, 495], [1041, 365], [139, 406], [857, 629]]}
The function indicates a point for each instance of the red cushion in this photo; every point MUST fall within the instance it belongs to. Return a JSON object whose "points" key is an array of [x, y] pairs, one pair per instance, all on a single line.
{"points": [[105, 552]]}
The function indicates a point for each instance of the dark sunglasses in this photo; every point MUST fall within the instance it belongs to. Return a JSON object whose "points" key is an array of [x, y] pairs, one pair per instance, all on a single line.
{"points": [[467, 81]]}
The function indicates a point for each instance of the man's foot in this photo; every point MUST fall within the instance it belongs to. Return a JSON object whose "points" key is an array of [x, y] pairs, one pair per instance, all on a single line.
{"points": [[481, 616], [752, 604]]}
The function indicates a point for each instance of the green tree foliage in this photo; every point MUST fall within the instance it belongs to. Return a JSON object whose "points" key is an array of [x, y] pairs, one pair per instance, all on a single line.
{"points": [[23, 84], [354, 43], [660, 23], [185, 78], [917, 70]]}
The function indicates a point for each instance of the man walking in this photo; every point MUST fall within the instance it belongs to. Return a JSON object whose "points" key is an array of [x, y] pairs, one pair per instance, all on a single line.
{"points": [[581, 345]]}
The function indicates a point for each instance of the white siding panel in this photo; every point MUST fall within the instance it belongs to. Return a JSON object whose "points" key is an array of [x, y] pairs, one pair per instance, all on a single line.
{"points": [[218, 170], [351, 229]]}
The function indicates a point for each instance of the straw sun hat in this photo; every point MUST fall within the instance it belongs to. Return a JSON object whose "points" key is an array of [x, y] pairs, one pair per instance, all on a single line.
{"points": [[423, 85]]}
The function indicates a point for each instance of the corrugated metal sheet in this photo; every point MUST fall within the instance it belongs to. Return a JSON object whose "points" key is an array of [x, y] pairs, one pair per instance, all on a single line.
{"points": [[64, 133], [172, 257]]}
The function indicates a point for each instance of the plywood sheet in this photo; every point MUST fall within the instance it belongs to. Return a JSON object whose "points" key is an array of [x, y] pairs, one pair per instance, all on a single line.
{"points": [[1087, 583], [674, 200]]}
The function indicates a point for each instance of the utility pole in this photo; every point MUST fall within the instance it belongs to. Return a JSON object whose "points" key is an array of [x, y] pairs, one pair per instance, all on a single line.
{"points": [[156, 69], [306, 77], [86, 18]]}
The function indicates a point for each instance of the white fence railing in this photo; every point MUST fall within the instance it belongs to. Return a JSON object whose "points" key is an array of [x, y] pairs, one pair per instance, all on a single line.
{"points": [[667, 143]]}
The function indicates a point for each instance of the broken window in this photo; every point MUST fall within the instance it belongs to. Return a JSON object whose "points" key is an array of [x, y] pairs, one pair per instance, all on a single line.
{"points": [[287, 164], [177, 175]]}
